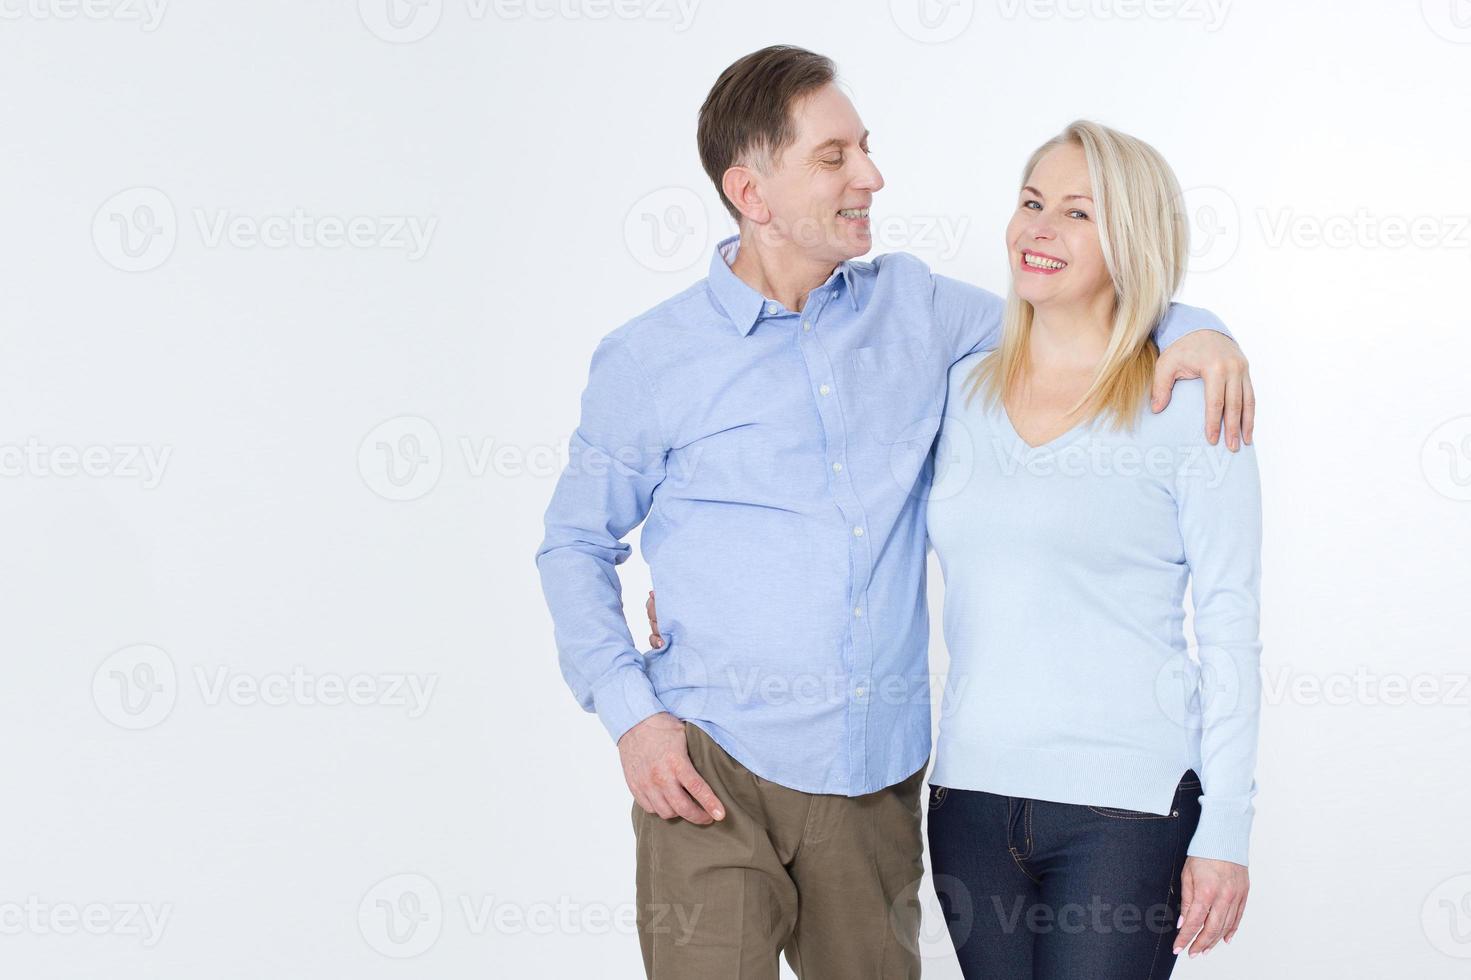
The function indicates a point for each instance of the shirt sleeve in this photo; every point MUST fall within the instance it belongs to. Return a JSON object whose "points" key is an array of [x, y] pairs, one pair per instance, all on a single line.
{"points": [[616, 460], [970, 318], [1180, 319], [1218, 496]]}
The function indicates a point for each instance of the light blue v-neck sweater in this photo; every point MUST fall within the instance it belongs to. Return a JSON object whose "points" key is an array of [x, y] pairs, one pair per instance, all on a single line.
{"points": [[1065, 570]]}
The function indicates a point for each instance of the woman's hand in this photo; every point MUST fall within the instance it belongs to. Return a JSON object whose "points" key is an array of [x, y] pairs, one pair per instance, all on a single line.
{"points": [[1212, 900], [655, 640]]}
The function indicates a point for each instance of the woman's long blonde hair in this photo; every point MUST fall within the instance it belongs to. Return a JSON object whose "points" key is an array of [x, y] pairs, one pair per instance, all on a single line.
{"points": [[1145, 242]]}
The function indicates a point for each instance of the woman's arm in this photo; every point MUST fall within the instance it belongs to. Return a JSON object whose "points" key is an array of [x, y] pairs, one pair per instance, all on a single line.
{"points": [[1218, 497]]}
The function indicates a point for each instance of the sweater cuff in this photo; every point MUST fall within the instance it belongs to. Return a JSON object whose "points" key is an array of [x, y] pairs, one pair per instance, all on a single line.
{"points": [[625, 698], [1223, 834]]}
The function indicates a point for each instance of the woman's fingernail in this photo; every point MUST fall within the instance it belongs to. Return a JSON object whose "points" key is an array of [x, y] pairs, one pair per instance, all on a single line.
{"points": [[1180, 922], [1177, 950]]}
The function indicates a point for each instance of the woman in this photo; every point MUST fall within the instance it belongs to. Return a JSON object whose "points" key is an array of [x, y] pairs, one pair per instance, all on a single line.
{"points": [[1091, 798]]}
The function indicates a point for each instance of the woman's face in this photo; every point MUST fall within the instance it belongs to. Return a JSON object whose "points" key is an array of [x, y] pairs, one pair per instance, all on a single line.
{"points": [[1056, 258]]}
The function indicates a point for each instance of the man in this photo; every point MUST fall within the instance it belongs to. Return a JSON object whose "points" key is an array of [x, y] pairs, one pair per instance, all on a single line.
{"points": [[771, 427]]}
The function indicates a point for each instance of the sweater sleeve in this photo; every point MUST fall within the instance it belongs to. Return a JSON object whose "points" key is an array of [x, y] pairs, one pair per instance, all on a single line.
{"points": [[617, 459], [1218, 497]]}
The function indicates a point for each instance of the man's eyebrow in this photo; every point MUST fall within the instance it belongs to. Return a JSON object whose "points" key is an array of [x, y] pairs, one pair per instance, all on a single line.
{"points": [[837, 141]]}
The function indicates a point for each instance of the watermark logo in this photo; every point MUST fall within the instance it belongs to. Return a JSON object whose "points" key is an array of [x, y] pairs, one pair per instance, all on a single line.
{"points": [[126, 461], [1446, 917], [135, 230], [1445, 458], [402, 458], [1183, 686], [401, 916], [679, 13], [932, 21], [1363, 229], [1211, 14], [412, 692], [143, 921], [667, 230], [147, 14], [136, 687], [1215, 227], [1449, 19], [401, 21], [407, 21]]}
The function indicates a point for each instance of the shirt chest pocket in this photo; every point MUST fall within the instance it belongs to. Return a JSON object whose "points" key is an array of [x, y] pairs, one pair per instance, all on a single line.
{"points": [[895, 391]]}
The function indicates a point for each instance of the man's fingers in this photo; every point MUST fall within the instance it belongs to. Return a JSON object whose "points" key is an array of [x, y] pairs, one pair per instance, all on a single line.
{"points": [[655, 640], [1164, 383], [664, 810], [701, 791], [1215, 405], [661, 807], [685, 806], [1233, 413], [1248, 409]]}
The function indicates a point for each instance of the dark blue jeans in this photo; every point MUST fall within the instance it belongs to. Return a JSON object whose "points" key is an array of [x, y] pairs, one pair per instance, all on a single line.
{"points": [[1033, 890]]}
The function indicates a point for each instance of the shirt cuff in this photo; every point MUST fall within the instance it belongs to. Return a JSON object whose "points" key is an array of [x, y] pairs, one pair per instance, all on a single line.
{"points": [[624, 699], [1223, 834]]}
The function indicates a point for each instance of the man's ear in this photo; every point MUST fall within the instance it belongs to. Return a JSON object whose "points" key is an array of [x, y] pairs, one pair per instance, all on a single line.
{"points": [[741, 189]]}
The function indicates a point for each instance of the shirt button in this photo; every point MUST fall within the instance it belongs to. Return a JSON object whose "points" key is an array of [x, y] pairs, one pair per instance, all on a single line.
{"points": [[857, 610], [806, 325], [837, 467], [825, 390], [861, 692], [858, 532], [772, 308]]}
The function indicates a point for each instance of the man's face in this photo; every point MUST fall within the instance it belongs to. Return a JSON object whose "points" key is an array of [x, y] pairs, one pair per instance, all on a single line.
{"points": [[818, 191]]}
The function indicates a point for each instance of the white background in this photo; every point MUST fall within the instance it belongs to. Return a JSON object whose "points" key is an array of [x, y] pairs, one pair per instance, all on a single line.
{"points": [[284, 392]]}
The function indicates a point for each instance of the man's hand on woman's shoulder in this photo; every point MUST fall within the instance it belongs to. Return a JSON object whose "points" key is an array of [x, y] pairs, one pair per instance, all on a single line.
{"points": [[1217, 360]]}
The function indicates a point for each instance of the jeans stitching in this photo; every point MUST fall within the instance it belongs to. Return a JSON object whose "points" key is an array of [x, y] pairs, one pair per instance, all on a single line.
{"points": [[1170, 895], [1121, 814], [1015, 856]]}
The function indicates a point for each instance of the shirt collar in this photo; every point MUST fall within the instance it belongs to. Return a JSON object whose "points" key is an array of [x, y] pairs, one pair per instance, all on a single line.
{"points": [[743, 305]]}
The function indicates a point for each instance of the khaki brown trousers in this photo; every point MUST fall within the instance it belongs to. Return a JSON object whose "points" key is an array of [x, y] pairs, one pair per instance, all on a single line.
{"points": [[831, 881]]}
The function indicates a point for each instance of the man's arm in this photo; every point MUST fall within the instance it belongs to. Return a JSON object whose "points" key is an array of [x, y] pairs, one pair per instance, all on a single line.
{"points": [[1207, 352], [1193, 343], [617, 459]]}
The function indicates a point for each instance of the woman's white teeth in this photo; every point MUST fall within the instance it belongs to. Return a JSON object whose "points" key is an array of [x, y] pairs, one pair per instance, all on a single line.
{"points": [[1037, 262], [854, 212]]}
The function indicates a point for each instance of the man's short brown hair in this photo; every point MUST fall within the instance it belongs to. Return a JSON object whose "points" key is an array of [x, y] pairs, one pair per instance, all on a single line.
{"points": [[747, 110]]}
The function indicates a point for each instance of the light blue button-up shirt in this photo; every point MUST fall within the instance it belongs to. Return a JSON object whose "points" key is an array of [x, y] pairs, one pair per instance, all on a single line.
{"points": [[780, 463]]}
